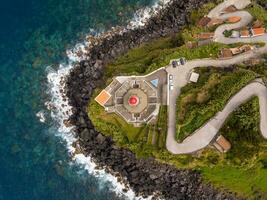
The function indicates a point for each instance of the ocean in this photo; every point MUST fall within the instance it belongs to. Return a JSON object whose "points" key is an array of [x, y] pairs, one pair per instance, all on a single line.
{"points": [[35, 161]]}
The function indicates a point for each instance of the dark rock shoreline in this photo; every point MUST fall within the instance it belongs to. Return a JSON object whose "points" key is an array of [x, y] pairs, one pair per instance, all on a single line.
{"points": [[145, 176]]}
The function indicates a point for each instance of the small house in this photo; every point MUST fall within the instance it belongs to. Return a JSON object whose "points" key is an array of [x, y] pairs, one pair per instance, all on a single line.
{"points": [[229, 9], [233, 19], [103, 97], [194, 77], [204, 21], [214, 22], [257, 31], [235, 51], [205, 36], [244, 34], [225, 53], [222, 144]]}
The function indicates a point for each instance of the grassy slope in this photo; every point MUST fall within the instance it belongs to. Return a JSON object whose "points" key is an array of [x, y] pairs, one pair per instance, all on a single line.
{"points": [[199, 102], [156, 54], [113, 125], [243, 169], [222, 170], [137, 139], [159, 52], [258, 13]]}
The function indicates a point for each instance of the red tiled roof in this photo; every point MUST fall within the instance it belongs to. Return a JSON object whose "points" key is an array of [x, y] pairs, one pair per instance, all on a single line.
{"points": [[103, 97], [225, 53], [233, 19], [258, 31], [223, 143], [205, 35], [203, 21]]}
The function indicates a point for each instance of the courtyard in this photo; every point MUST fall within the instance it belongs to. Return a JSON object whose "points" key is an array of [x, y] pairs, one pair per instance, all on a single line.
{"points": [[136, 99]]}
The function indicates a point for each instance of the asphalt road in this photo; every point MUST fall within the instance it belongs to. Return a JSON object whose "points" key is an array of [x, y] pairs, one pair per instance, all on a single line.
{"points": [[203, 136]]}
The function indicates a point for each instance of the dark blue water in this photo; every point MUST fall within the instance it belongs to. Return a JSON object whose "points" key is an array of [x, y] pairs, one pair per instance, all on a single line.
{"points": [[34, 163]]}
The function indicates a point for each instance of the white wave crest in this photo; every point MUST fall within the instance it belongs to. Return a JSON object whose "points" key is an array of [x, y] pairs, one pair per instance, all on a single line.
{"points": [[41, 116], [142, 15], [61, 110]]}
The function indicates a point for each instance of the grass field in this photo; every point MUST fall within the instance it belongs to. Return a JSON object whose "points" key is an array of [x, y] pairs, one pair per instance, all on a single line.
{"points": [[251, 182]]}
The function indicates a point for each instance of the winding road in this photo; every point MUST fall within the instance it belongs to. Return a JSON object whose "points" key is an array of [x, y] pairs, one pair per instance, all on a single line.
{"points": [[205, 135]]}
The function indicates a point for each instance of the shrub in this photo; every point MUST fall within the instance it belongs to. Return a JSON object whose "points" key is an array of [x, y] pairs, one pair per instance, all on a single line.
{"points": [[202, 96]]}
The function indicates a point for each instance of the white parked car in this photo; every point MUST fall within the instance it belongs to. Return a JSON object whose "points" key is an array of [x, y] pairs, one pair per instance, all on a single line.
{"points": [[176, 63], [170, 78], [171, 86]]}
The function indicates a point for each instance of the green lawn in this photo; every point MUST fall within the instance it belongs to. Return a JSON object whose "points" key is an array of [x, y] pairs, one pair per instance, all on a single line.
{"points": [[251, 182]]}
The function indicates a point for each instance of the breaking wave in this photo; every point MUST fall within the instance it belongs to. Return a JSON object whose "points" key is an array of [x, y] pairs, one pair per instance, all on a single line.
{"points": [[142, 15]]}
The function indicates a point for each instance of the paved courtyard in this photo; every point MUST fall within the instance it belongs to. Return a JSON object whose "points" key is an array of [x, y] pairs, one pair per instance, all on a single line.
{"points": [[136, 98]]}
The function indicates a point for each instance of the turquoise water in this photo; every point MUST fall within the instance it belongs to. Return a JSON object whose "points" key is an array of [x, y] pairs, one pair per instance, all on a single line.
{"points": [[34, 163]]}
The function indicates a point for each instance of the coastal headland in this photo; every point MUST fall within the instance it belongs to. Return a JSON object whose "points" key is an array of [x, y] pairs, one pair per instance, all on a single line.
{"points": [[148, 176]]}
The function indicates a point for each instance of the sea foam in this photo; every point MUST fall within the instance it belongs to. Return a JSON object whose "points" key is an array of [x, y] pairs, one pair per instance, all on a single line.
{"points": [[61, 110], [142, 15]]}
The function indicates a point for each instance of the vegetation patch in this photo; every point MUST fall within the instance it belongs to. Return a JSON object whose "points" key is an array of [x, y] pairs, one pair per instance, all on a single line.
{"points": [[142, 140], [243, 168], [158, 53], [200, 101], [258, 13], [227, 33]]}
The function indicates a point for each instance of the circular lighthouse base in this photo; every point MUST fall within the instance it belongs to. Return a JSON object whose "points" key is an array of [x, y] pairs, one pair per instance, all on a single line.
{"points": [[135, 100]]}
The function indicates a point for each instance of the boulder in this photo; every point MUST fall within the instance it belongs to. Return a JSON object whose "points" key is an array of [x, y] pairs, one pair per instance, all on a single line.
{"points": [[85, 135], [100, 138]]}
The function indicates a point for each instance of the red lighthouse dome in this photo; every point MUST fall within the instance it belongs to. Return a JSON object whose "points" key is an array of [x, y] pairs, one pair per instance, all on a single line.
{"points": [[133, 100]]}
